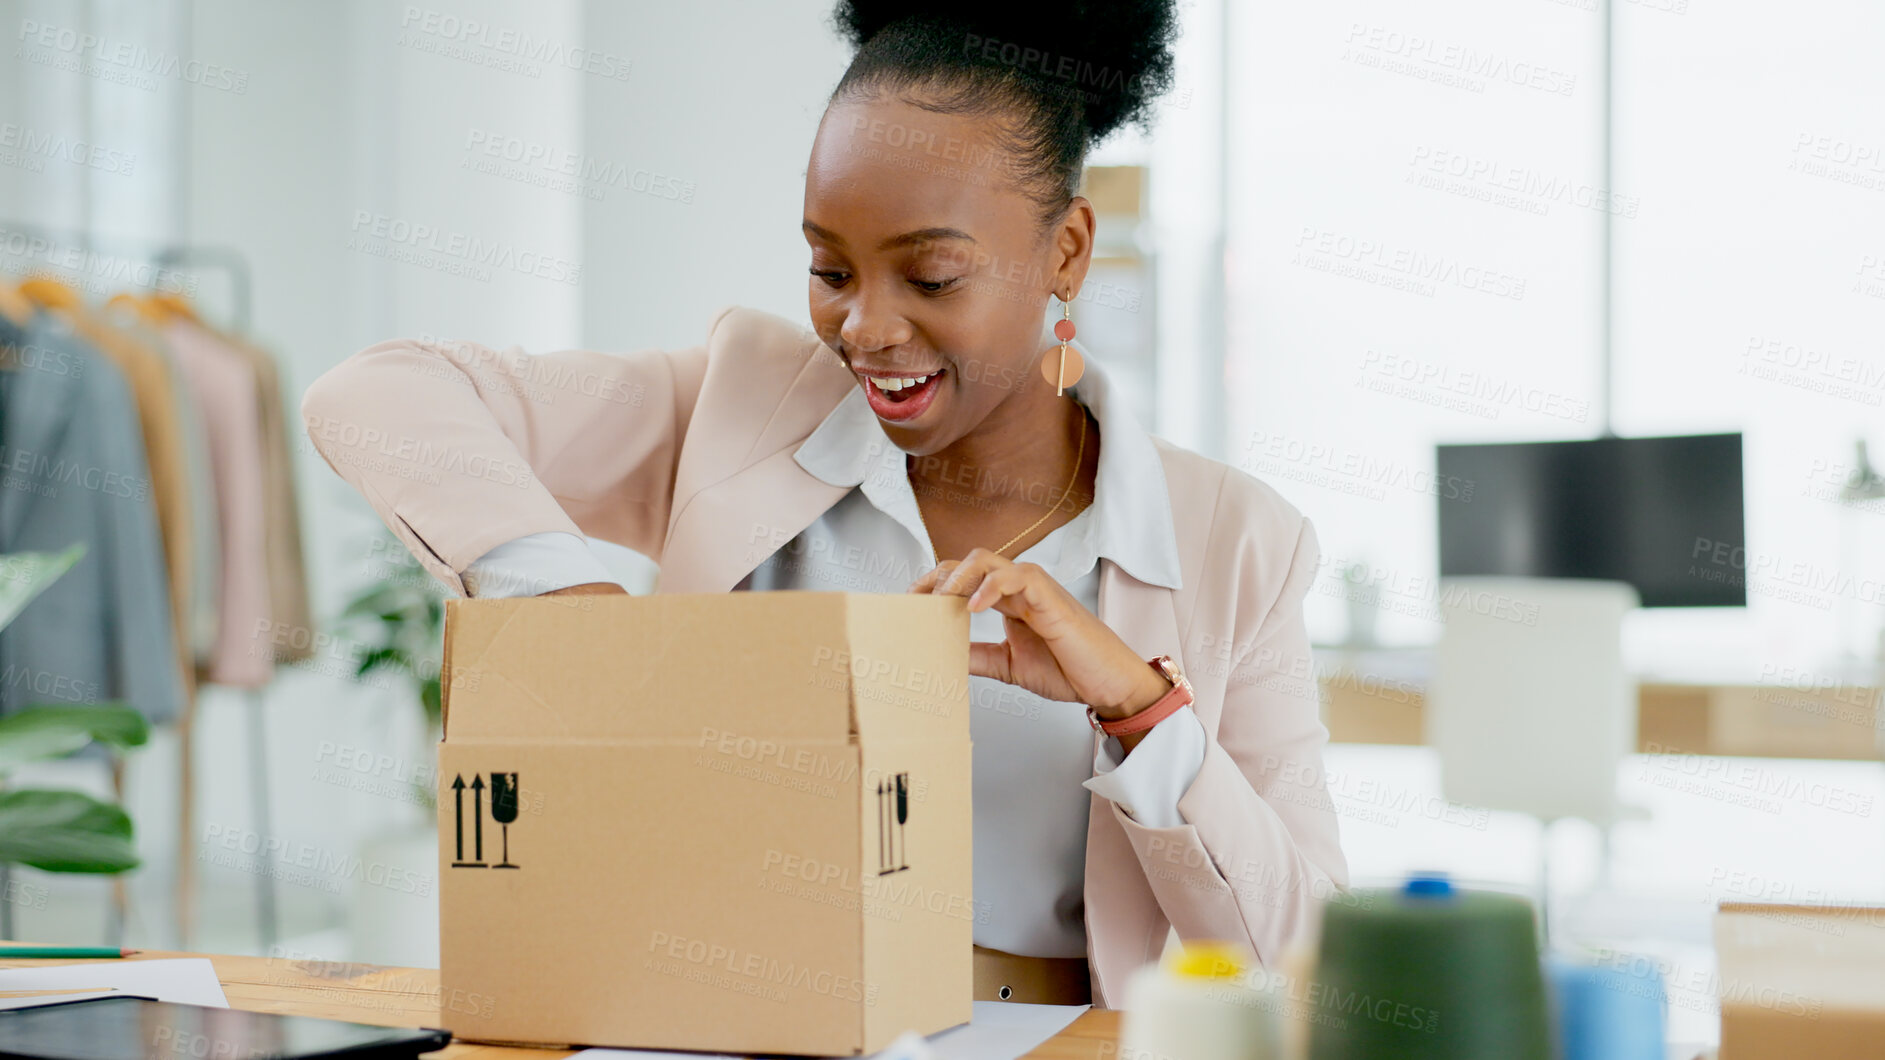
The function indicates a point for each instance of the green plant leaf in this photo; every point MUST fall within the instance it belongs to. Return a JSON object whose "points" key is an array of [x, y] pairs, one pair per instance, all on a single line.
{"points": [[56, 729], [64, 831], [24, 575], [430, 701], [397, 626], [376, 659], [361, 605]]}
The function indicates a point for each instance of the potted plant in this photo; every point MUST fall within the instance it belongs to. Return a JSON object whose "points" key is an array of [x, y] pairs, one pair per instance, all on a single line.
{"points": [[400, 621], [59, 831], [397, 625]]}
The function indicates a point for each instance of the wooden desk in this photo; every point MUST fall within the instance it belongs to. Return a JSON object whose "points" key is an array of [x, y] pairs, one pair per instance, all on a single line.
{"points": [[408, 997], [1384, 704]]}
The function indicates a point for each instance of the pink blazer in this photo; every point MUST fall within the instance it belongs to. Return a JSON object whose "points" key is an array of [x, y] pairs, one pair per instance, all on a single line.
{"points": [[686, 457]]}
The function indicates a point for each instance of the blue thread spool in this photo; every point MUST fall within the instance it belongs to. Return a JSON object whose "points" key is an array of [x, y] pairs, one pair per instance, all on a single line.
{"points": [[1611, 1011]]}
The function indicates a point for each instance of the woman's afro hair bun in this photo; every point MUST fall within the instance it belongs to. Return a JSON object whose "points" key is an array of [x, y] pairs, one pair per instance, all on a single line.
{"points": [[1112, 57]]}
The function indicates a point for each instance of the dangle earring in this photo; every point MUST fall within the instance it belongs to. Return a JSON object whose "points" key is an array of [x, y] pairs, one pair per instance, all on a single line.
{"points": [[1065, 369]]}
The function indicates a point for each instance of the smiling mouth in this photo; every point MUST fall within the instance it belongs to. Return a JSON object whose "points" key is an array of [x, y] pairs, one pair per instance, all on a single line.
{"points": [[908, 400], [902, 388]]}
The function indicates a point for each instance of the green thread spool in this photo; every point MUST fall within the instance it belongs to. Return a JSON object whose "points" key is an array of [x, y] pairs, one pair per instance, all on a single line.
{"points": [[1428, 971]]}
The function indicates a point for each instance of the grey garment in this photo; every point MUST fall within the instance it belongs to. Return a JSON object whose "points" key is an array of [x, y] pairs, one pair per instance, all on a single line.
{"points": [[72, 468]]}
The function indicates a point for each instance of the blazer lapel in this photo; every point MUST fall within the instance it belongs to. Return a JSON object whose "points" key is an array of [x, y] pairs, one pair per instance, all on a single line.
{"points": [[728, 529], [1122, 914]]}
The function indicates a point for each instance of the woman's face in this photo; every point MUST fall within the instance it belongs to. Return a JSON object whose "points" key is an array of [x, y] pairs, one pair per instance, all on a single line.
{"points": [[926, 257]]}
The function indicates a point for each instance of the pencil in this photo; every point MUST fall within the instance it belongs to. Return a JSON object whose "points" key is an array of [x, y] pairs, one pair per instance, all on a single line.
{"points": [[67, 952]]}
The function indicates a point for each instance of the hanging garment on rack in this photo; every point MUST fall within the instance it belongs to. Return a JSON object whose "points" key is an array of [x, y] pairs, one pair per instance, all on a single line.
{"points": [[287, 563], [153, 390], [203, 596], [72, 453], [205, 593], [225, 389]]}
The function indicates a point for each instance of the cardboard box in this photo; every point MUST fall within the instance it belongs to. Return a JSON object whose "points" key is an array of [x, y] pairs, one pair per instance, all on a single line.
{"points": [[735, 822], [1800, 981]]}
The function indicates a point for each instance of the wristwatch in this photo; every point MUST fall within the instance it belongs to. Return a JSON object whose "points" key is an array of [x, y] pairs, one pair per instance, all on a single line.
{"points": [[1168, 704]]}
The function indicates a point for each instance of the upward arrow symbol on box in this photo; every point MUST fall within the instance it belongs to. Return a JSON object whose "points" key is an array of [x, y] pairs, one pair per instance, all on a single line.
{"points": [[477, 821], [477, 815], [458, 814]]}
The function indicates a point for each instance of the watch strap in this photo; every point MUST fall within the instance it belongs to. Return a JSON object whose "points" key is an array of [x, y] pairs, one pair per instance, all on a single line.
{"points": [[1167, 705]]}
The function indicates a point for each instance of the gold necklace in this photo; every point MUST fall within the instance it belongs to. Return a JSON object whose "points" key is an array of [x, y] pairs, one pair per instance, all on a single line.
{"points": [[1079, 458]]}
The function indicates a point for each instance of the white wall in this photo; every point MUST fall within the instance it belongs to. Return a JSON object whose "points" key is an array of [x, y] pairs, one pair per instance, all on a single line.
{"points": [[1372, 142], [384, 110], [1746, 298], [727, 101], [363, 124]]}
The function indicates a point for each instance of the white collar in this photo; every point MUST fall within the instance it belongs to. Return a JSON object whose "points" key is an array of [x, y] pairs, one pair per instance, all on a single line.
{"points": [[1129, 521]]}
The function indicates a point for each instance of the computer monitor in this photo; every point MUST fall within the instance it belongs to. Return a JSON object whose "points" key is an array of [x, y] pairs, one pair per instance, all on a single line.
{"points": [[1663, 514]]}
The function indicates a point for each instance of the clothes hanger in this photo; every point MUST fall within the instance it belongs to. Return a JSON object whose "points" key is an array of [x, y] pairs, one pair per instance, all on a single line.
{"points": [[147, 310], [15, 306], [18, 311], [50, 292], [175, 305]]}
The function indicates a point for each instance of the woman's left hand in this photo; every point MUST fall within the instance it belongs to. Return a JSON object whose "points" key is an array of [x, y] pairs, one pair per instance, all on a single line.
{"points": [[1055, 647]]}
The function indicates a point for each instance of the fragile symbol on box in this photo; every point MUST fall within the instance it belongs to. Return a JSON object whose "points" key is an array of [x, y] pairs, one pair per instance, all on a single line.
{"points": [[503, 811], [893, 812]]}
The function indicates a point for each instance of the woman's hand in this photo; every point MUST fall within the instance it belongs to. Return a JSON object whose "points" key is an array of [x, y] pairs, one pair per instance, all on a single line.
{"points": [[1055, 647]]}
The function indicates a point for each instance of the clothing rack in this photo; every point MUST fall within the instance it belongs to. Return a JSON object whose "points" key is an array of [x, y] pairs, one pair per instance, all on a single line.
{"points": [[167, 255], [170, 256]]}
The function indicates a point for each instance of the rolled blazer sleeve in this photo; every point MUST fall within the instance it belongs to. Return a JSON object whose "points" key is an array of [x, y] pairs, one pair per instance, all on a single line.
{"points": [[460, 447], [1261, 844]]}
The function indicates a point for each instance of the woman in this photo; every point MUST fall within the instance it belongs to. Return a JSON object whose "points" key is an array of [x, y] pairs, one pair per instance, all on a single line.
{"points": [[921, 439]]}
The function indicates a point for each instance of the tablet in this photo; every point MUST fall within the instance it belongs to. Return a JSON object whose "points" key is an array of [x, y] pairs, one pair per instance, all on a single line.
{"points": [[136, 1028]]}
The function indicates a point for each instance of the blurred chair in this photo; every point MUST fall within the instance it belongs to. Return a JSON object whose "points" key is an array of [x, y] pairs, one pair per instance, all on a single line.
{"points": [[1530, 706]]}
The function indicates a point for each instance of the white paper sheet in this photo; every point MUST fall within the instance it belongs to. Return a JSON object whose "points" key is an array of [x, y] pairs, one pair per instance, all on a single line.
{"points": [[1004, 1030], [42, 998], [189, 980], [997, 1030]]}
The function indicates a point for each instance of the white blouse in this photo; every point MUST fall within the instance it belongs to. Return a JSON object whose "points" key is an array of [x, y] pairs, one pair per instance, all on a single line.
{"points": [[1035, 762]]}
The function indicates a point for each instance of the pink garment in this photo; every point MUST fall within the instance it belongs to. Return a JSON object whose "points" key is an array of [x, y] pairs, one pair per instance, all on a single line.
{"points": [[223, 386], [687, 457]]}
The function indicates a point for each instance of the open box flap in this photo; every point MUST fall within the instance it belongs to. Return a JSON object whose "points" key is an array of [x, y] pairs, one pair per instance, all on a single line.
{"points": [[585, 667], [908, 665], [642, 668]]}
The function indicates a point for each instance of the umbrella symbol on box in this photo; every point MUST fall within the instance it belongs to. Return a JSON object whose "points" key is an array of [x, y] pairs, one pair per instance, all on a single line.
{"points": [[893, 812], [504, 810]]}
